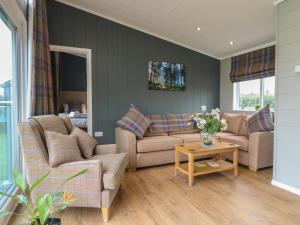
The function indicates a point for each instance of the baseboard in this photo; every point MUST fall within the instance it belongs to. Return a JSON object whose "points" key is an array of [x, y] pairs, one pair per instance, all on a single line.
{"points": [[286, 187]]}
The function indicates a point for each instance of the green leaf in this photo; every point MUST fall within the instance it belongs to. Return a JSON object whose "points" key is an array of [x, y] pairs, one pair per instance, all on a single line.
{"points": [[63, 206], [22, 199], [19, 180], [7, 195], [4, 214], [56, 197], [75, 175], [38, 181], [44, 204]]}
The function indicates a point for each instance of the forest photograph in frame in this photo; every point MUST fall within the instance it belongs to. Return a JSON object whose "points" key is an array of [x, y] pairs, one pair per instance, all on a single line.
{"points": [[166, 76]]}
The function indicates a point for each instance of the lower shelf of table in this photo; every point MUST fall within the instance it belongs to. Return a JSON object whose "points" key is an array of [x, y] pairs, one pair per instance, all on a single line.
{"points": [[223, 166]]}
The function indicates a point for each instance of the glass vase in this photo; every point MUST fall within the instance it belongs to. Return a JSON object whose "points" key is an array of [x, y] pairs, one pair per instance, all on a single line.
{"points": [[208, 139]]}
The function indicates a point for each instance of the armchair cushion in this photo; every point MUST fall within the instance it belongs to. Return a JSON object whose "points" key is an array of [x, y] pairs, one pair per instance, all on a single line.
{"points": [[85, 141], [114, 166], [105, 149], [62, 148], [51, 123]]}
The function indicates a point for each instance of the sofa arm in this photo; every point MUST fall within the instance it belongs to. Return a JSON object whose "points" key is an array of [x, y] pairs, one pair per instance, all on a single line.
{"points": [[260, 150], [106, 149], [86, 188], [126, 142]]}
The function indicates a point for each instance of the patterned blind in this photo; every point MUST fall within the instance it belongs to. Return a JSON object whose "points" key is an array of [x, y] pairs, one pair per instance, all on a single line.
{"points": [[253, 65]]}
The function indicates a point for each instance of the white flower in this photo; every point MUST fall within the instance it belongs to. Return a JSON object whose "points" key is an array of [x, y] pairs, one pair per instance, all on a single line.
{"points": [[223, 121], [203, 122]]}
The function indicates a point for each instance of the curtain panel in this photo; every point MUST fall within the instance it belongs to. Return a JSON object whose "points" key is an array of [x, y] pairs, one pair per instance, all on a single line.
{"points": [[42, 100], [254, 65]]}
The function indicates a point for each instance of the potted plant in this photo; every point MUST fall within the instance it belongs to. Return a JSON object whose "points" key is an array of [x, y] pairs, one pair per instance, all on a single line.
{"points": [[209, 124], [257, 107], [38, 212]]}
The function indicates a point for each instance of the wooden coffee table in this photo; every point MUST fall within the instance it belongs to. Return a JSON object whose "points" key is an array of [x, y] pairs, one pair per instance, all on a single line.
{"points": [[192, 150]]}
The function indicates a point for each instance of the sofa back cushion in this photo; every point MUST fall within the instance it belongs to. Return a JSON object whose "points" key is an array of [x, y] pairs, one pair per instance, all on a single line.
{"points": [[260, 121], [170, 123], [244, 129], [180, 122], [135, 122], [234, 122], [159, 124]]}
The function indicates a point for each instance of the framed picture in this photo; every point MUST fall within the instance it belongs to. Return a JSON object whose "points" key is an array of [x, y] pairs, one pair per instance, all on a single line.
{"points": [[166, 76]]}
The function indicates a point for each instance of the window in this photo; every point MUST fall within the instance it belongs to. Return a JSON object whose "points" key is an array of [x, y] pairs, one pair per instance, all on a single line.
{"points": [[249, 94], [8, 103]]}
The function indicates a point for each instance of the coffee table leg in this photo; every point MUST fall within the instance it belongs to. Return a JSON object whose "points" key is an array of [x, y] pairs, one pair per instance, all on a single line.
{"points": [[191, 169], [176, 161], [236, 162]]}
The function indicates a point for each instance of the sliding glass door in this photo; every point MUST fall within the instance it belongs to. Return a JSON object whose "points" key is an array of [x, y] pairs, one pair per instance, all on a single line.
{"points": [[8, 102]]}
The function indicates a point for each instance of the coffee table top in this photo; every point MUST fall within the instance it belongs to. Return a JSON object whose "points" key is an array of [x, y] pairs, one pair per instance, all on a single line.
{"points": [[198, 148]]}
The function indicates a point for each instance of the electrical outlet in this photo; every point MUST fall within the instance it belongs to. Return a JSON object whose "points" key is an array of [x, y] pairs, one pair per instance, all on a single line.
{"points": [[98, 134]]}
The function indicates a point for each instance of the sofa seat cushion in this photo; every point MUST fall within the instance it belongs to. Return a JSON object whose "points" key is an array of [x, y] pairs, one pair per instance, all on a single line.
{"points": [[224, 134], [239, 140], [113, 166], [188, 138], [158, 143]]}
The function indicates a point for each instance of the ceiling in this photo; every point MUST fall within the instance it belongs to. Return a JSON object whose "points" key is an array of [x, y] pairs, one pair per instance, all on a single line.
{"points": [[247, 23]]}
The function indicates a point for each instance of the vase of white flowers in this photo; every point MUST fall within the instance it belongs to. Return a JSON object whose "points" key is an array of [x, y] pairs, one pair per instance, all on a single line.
{"points": [[209, 124]]}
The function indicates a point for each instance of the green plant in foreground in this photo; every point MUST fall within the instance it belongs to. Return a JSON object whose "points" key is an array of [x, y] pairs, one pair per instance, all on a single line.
{"points": [[38, 211]]}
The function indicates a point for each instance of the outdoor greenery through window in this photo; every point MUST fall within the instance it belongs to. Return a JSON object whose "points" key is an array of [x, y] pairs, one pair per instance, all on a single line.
{"points": [[254, 93], [8, 103]]}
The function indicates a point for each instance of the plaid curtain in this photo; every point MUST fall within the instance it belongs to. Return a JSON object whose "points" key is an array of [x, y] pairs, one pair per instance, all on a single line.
{"points": [[42, 101], [253, 65]]}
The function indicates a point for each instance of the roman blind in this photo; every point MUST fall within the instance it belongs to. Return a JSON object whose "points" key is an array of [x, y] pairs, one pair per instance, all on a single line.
{"points": [[253, 65]]}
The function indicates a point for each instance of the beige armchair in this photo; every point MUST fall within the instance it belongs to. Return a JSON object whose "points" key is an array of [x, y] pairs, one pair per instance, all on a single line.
{"points": [[97, 188]]}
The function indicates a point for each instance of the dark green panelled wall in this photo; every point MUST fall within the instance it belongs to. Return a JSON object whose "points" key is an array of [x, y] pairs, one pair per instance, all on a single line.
{"points": [[120, 58]]}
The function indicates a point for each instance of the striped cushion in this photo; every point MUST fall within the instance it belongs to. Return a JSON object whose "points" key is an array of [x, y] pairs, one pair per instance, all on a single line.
{"points": [[179, 122], [159, 123], [170, 123], [260, 121], [135, 122]]}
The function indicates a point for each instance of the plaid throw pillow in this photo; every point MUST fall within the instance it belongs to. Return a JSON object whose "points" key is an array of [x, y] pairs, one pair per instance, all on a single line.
{"points": [[135, 122], [179, 122], [260, 121], [159, 123], [170, 123]]}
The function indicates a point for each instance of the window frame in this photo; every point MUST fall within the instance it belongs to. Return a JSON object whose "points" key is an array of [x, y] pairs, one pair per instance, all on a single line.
{"points": [[15, 105], [17, 16], [236, 95]]}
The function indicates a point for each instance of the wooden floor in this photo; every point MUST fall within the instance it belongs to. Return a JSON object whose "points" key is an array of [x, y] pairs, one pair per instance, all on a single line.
{"points": [[156, 196]]}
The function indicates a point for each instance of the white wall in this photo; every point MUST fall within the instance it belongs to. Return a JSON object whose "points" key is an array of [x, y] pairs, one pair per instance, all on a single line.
{"points": [[287, 127]]}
